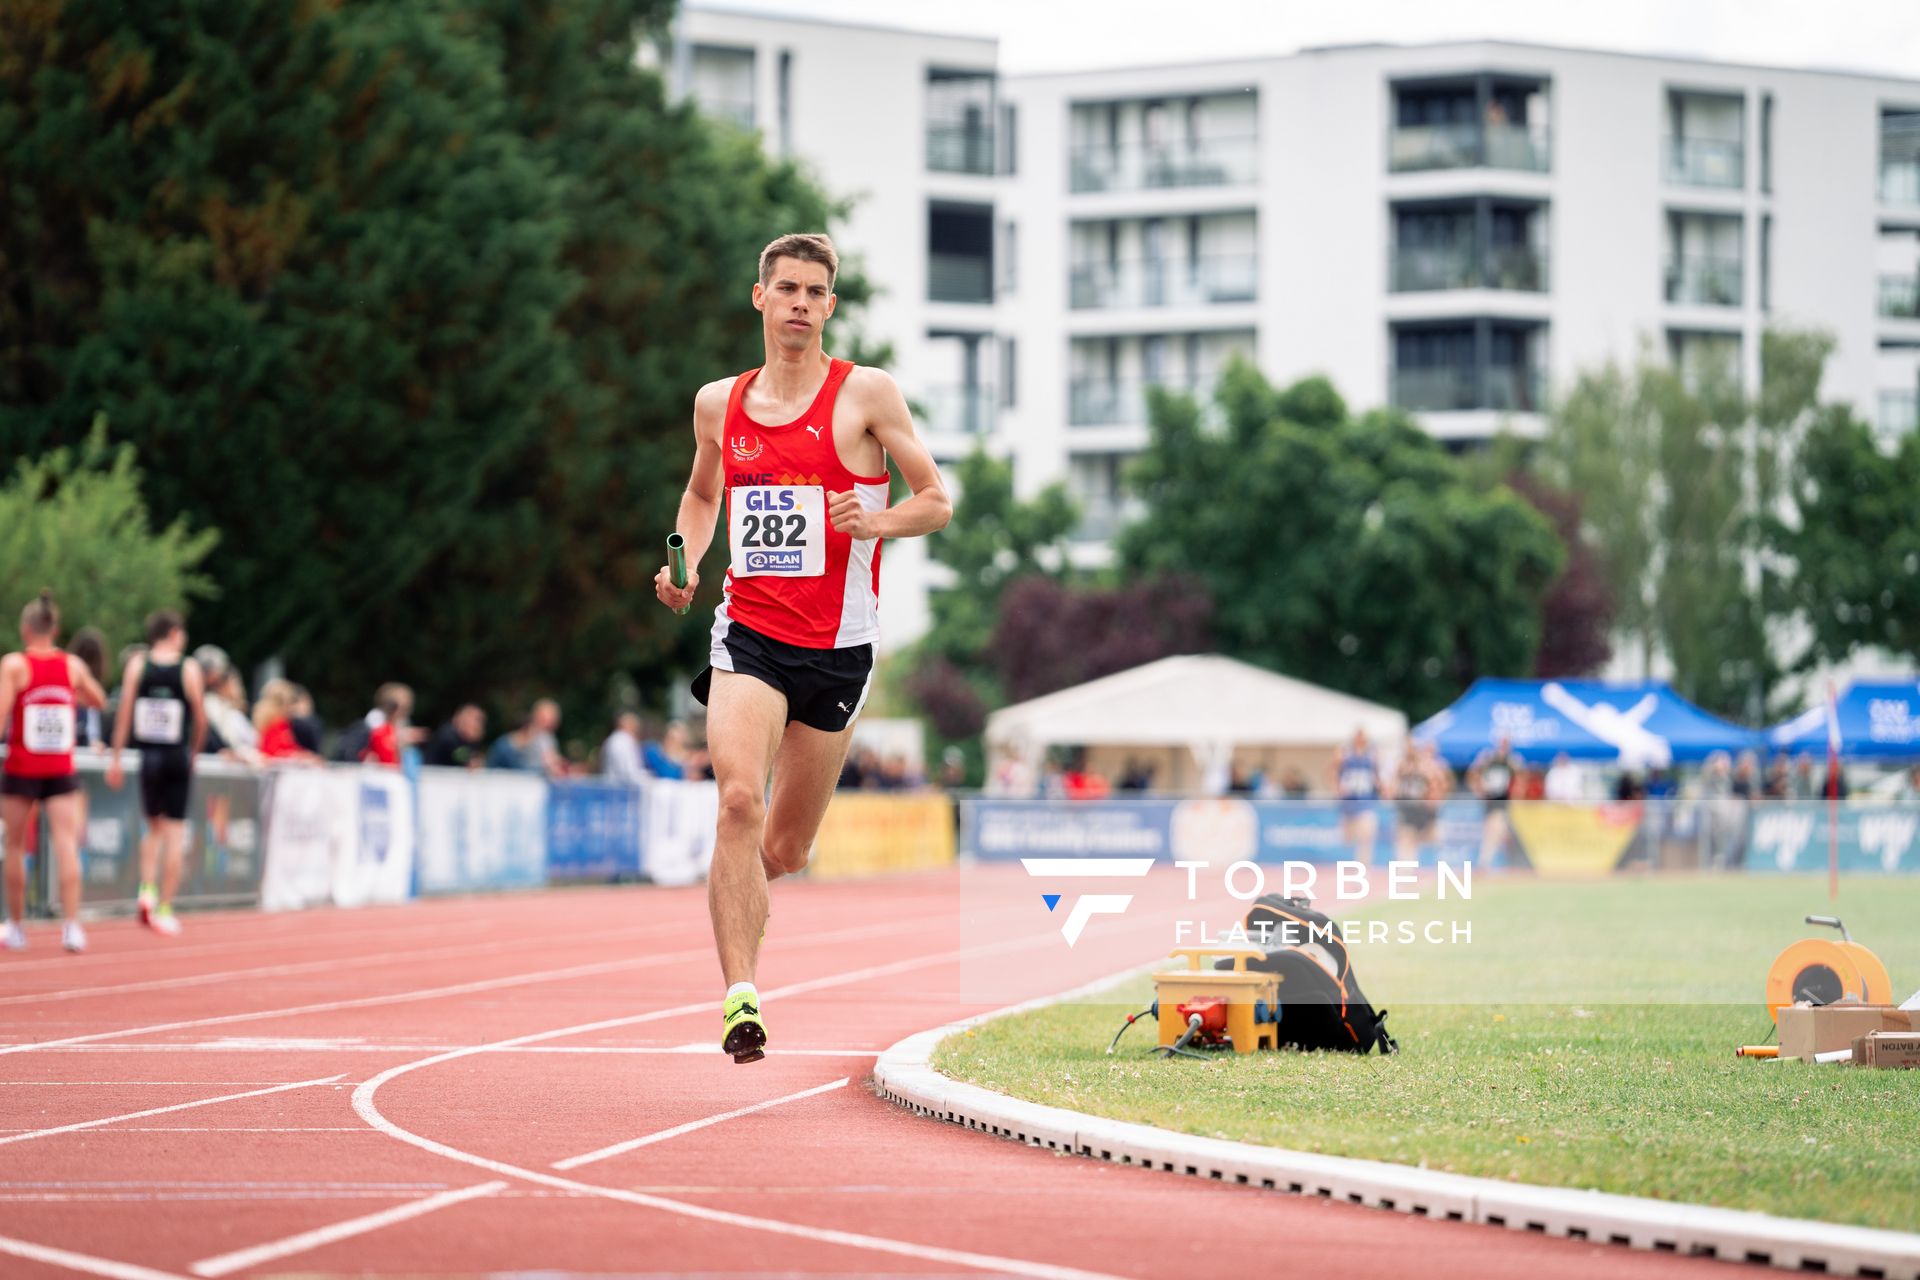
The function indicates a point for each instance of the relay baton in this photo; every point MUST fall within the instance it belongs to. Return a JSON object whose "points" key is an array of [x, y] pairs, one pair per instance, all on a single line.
{"points": [[677, 562]]}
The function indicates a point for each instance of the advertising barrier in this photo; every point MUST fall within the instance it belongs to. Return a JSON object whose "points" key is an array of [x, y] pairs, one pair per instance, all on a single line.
{"points": [[1793, 835], [481, 830], [221, 864], [342, 835], [678, 819], [865, 835], [593, 831]]}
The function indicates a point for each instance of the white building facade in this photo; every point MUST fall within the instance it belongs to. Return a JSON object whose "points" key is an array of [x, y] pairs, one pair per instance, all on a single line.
{"points": [[1454, 229]]}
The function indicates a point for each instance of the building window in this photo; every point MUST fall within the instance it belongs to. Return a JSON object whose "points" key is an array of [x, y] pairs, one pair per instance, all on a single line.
{"points": [[1139, 145], [960, 116], [1480, 243], [1705, 253], [1705, 144], [1444, 366], [720, 80], [1125, 263], [1009, 372], [1899, 155], [959, 400], [1766, 144], [786, 102], [1468, 122], [959, 253], [1009, 137], [1705, 361]]}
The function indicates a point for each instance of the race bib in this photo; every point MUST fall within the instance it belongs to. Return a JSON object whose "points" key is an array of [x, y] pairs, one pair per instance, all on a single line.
{"points": [[778, 530], [1356, 783], [47, 728], [158, 720]]}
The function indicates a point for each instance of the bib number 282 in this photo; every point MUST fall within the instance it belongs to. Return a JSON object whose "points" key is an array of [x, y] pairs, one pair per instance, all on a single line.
{"points": [[778, 530]]}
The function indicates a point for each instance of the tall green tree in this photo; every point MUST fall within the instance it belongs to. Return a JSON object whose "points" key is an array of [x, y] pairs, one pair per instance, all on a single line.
{"points": [[1678, 479], [409, 299], [1852, 540], [1350, 551], [74, 520]]}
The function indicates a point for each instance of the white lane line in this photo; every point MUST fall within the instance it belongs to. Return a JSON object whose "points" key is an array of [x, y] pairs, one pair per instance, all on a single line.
{"points": [[173, 948], [159, 1111], [368, 1110], [462, 988], [215, 1128], [647, 1140], [354, 1046], [82, 1262], [240, 1259], [331, 965]]}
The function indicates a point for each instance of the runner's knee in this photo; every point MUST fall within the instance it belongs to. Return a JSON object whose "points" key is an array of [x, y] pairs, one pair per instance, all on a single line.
{"points": [[786, 853], [741, 805]]}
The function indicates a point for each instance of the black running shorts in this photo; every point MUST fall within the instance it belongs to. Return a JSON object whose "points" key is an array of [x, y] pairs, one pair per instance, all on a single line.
{"points": [[165, 778], [825, 688], [38, 788]]}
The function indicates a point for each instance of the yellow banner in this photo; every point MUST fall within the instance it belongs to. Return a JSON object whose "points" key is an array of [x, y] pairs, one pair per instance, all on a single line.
{"points": [[866, 835], [1574, 840]]}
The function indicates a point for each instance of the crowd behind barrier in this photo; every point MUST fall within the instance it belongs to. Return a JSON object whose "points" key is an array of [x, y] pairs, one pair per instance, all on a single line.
{"points": [[350, 835]]}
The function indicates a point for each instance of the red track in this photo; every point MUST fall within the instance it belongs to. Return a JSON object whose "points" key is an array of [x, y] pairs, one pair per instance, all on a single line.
{"points": [[395, 1116]]}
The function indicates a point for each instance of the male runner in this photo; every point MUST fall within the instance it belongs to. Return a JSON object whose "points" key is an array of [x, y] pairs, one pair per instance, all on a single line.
{"points": [[799, 447], [41, 688], [162, 706], [1356, 780], [1492, 778]]}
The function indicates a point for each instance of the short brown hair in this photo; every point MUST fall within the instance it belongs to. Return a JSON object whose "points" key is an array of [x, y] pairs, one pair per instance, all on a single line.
{"points": [[41, 617], [162, 623], [804, 246]]}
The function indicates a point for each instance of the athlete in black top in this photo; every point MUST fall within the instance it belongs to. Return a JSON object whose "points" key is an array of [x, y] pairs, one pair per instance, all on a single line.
{"points": [[162, 710]]}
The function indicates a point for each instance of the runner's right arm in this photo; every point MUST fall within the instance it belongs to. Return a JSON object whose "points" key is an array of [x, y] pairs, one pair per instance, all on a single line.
{"points": [[700, 504], [196, 686]]}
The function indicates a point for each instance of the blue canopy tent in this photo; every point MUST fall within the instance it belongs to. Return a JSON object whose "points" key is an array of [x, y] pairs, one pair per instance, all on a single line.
{"points": [[1639, 725], [1879, 720]]}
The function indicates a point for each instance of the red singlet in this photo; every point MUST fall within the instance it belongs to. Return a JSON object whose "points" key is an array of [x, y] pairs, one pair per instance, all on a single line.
{"points": [[40, 739]]}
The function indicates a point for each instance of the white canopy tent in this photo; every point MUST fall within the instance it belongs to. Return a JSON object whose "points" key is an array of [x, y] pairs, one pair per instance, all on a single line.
{"points": [[1207, 704]]}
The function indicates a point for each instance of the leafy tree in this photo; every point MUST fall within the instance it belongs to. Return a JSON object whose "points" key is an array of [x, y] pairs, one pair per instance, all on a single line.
{"points": [[74, 520], [1353, 552], [1051, 635], [410, 300], [1677, 482], [1576, 618], [994, 539], [1853, 541]]}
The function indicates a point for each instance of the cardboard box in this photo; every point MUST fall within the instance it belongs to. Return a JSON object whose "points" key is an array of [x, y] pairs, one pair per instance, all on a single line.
{"points": [[1809, 1029], [1887, 1049]]}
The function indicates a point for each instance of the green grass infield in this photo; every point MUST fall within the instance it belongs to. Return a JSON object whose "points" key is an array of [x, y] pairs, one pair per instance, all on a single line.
{"points": [[1584, 1038]]}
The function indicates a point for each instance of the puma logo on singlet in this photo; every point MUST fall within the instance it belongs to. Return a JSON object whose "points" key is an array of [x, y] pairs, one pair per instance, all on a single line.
{"points": [[815, 431]]}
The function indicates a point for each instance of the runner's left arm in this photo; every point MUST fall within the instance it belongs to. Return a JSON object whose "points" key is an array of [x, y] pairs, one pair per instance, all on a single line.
{"points": [[929, 508], [196, 686], [87, 690], [9, 690]]}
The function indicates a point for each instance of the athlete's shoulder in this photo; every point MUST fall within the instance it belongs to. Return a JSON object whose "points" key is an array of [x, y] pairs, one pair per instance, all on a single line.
{"points": [[714, 395], [865, 379]]}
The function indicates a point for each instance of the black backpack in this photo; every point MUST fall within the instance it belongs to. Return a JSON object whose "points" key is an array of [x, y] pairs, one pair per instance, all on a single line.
{"points": [[1321, 1004]]}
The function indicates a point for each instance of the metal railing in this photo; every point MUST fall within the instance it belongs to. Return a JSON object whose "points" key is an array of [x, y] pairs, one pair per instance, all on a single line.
{"points": [[1163, 283], [1122, 403], [1704, 280], [967, 409], [1416, 270], [960, 149], [1412, 148], [1139, 166], [959, 277], [1900, 297], [1705, 162], [1457, 388]]}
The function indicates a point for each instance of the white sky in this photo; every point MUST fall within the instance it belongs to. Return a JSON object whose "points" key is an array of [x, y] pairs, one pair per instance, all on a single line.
{"points": [[1058, 35]]}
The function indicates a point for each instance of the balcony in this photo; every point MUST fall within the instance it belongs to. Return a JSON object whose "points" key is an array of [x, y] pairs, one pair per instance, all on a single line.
{"points": [[1900, 297], [1202, 162], [1900, 182], [1218, 278], [1462, 388], [959, 410], [1418, 148], [1104, 403], [960, 149], [1422, 269], [1705, 162], [1704, 281]]}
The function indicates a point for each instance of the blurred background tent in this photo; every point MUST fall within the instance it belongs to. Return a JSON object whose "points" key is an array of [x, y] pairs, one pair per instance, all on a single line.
{"points": [[1638, 725], [1878, 719]]}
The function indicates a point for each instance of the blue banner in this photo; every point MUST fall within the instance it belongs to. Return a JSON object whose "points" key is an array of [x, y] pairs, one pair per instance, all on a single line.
{"points": [[593, 831], [1790, 835]]}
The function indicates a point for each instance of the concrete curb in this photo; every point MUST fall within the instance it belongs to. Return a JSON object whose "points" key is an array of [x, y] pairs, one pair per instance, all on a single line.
{"points": [[903, 1076]]}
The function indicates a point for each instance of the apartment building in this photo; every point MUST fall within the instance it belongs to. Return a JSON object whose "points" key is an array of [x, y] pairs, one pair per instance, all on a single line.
{"points": [[1454, 229]]}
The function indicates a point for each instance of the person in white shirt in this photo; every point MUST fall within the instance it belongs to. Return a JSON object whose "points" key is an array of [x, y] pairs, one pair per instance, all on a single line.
{"points": [[1566, 781], [620, 753]]}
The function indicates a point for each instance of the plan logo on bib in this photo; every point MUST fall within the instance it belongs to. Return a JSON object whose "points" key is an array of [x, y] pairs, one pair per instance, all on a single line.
{"points": [[1089, 905], [746, 448]]}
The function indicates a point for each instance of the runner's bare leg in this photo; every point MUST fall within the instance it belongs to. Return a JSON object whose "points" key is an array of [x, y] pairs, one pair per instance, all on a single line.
{"points": [[745, 717], [803, 781], [16, 813]]}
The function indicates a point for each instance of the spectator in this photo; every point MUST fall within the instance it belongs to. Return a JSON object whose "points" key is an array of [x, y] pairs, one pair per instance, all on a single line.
{"points": [[1136, 777], [953, 769], [90, 646], [231, 730], [307, 729], [1240, 782], [620, 754], [1011, 775], [1294, 784], [1746, 777], [1779, 780], [668, 757], [1910, 794], [1805, 785], [457, 744], [1082, 783], [1566, 781], [531, 748], [273, 723]]}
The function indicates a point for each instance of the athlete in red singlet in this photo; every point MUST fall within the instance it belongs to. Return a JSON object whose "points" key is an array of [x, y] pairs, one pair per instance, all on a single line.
{"points": [[799, 450], [42, 689]]}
